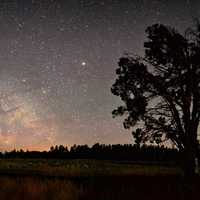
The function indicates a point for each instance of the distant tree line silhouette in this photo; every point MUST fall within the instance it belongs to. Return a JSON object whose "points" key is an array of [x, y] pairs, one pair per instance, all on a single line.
{"points": [[118, 152]]}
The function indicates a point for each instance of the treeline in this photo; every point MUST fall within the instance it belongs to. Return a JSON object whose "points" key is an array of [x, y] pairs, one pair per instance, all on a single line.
{"points": [[118, 152]]}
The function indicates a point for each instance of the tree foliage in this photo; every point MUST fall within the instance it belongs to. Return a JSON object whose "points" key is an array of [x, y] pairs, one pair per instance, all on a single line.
{"points": [[161, 90]]}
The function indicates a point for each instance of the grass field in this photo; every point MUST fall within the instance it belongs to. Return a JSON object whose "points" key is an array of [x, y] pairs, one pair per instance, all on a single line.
{"points": [[81, 168], [39, 179], [30, 188]]}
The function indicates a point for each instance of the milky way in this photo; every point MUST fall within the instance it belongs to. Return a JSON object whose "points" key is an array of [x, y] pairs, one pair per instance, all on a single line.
{"points": [[58, 61]]}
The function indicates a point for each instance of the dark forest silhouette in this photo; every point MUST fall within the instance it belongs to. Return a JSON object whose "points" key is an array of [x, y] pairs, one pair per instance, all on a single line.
{"points": [[161, 91], [117, 152]]}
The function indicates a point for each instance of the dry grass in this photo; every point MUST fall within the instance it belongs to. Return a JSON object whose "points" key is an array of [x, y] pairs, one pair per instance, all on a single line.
{"points": [[36, 189], [91, 180], [81, 168], [99, 188]]}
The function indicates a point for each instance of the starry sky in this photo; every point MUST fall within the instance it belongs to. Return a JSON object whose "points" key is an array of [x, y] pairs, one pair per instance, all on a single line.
{"points": [[58, 61]]}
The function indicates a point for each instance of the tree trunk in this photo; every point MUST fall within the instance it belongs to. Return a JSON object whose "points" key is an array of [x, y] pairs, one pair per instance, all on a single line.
{"points": [[189, 165], [190, 150], [190, 161]]}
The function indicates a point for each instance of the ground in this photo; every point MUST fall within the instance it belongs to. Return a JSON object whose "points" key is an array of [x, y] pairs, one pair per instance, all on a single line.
{"points": [[92, 179]]}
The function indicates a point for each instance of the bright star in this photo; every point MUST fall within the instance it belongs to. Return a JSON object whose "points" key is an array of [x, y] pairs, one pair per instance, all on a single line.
{"points": [[83, 63]]}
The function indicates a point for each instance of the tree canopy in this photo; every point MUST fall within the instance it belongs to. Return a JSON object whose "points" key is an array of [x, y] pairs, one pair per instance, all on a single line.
{"points": [[161, 90]]}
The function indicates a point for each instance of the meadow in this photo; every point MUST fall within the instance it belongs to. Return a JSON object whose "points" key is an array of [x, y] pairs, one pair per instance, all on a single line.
{"points": [[82, 168], [53, 179]]}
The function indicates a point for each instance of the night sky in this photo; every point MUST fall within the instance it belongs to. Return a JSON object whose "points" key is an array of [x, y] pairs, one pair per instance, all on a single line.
{"points": [[58, 61]]}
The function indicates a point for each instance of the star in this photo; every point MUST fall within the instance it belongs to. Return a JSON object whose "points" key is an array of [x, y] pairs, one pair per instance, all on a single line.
{"points": [[83, 63], [24, 80], [44, 91]]}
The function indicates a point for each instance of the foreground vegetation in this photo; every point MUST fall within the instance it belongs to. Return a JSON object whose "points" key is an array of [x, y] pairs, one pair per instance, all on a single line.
{"points": [[62, 179], [101, 188], [82, 168], [118, 172], [33, 188]]}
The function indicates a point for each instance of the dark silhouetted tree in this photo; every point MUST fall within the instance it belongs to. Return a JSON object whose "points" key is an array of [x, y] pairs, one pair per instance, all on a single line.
{"points": [[161, 90]]}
